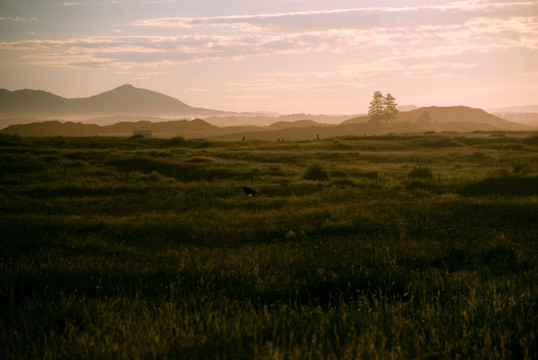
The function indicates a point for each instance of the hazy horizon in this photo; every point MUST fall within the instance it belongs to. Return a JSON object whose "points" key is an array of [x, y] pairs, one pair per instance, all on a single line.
{"points": [[285, 56]]}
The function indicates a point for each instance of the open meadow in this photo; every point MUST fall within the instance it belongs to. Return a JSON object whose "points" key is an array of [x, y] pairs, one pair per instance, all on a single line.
{"points": [[380, 247]]}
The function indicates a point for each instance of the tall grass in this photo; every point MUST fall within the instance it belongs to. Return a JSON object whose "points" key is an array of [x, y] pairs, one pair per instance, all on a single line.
{"points": [[164, 266]]}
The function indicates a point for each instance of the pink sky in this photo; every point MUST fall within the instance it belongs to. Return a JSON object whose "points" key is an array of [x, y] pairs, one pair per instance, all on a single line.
{"points": [[286, 56]]}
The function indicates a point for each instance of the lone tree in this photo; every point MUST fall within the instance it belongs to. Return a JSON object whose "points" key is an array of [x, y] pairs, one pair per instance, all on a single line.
{"points": [[382, 107]]}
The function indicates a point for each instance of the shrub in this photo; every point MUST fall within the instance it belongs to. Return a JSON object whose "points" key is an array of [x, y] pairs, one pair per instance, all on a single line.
{"points": [[531, 140], [420, 172], [418, 185], [175, 141], [441, 143], [370, 175], [20, 164], [520, 167], [315, 172], [339, 174]]}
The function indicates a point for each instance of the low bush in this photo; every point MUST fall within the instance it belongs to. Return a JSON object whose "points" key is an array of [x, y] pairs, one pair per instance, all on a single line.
{"points": [[315, 172], [339, 174], [420, 172], [442, 143], [175, 141]]}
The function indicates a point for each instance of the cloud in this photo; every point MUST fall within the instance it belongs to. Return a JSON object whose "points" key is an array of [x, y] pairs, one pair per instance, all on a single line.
{"points": [[19, 19], [355, 75], [248, 97], [412, 48], [276, 20], [195, 90], [479, 35], [146, 75]]}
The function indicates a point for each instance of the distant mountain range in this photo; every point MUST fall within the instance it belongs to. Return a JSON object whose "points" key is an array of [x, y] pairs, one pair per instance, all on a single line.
{"points": [[456, 119], [521, 114], [530, 119], [121, 111], [515, 109], [124, 100]]}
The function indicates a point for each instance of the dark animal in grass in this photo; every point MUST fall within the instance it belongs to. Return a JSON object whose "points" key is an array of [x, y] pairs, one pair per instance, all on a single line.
{"points": [[250, 192]]}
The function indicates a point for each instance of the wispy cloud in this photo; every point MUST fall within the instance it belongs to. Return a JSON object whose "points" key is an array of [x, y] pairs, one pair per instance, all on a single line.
{"points": [[195, 90], [247, 21], [18, 19], [476, 35]]}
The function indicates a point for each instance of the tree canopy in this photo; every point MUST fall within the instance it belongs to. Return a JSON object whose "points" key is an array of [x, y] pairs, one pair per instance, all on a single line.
{"points": [[382, 107]]}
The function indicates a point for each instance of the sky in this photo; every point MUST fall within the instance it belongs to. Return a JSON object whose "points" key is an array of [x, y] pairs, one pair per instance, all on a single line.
{"points": [[286, 56]]}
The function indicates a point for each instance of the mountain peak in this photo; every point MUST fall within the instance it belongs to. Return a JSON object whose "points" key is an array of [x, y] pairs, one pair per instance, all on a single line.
{"points": [[122, 88], [125, 87], [123, 100]]}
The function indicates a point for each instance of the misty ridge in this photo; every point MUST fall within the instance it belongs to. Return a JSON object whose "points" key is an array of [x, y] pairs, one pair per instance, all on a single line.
{"points": [[123, 110]]}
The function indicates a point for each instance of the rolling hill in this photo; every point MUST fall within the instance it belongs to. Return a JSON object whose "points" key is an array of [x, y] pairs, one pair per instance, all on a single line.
{"points": [[186, 128], [124, 100], [456, 119], [452, 118], [122, 110]]}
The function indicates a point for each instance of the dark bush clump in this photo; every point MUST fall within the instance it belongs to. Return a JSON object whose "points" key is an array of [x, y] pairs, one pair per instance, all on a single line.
{"points": [[420, 172], [315, 172], [519, 186], [175, 141], [531, 140]]}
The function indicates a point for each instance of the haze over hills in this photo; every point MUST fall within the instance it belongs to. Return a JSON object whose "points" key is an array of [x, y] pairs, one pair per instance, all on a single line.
{"points": [[515, 109], [521, 114], [457, 119], [124, 100], [121, 111], [530, 119]]}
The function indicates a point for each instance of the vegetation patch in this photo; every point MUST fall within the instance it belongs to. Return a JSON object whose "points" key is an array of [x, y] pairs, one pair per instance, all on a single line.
{"points": [[315, 172], [179, 171], [440, 143], [372, 175], [531, 140], [339, 174], [145, 248], [520, 186], [420, 172]]}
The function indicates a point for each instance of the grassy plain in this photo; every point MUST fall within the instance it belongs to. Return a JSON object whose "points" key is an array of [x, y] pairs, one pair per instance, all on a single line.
{"points": [[147, 248]]}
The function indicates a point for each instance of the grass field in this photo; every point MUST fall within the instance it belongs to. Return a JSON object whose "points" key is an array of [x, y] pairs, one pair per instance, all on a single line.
{"points": [[417, 246]]}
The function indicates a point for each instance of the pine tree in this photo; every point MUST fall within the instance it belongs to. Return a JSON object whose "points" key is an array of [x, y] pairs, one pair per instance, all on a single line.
{"points": [[377, 107], [390, 110]]}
